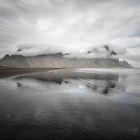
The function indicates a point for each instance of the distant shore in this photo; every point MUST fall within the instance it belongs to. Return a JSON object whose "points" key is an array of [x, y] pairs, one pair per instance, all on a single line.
{"points": [[6, 72]]}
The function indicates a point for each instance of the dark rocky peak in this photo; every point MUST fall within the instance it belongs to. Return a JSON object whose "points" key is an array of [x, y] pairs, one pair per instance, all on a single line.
{"points": [[94, 50], [58, 54], [7, 56], [19, 50], [113, 53], [107, 48]]}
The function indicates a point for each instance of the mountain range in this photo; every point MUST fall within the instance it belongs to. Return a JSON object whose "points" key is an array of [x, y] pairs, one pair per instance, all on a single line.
{"points": [[58, 60]]}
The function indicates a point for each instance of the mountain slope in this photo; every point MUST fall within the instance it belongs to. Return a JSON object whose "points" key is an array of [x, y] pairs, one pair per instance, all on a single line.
{"points": [[58, 61]]}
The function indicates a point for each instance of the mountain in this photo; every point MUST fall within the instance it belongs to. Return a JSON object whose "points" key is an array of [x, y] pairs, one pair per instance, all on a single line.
{"points": [[58, 60]]}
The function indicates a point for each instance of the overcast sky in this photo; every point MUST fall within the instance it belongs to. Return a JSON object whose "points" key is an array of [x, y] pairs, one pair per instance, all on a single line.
{"points": [[69, 25]]}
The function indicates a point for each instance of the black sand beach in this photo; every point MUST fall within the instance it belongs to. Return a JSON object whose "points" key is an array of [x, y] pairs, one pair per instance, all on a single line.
{"points": [[70, 104]]}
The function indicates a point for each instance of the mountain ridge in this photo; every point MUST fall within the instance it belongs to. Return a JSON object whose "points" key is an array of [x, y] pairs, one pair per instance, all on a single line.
{"points": [[57, 60]]}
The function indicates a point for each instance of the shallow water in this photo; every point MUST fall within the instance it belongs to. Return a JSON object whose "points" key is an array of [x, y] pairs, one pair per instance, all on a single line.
{"points": [[71, 104]]}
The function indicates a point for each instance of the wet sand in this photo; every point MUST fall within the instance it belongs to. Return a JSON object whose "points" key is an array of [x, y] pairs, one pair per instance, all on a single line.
{"points": [[6, 72], [70, 104]]}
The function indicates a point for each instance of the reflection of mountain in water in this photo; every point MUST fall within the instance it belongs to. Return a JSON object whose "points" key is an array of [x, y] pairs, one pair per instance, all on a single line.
{"points": [[97, 82], [71, 104]]}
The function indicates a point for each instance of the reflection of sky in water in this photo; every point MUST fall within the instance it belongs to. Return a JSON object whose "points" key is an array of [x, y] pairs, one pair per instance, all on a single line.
{"points": [[96, 105], [124, 89]]}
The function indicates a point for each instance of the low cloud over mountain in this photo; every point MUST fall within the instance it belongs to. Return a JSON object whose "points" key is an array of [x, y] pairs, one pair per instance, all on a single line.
{"points": [[73, 26]]}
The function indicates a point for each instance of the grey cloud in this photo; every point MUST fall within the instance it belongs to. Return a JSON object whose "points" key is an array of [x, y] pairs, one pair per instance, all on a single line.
{"points": [[72, 24]]}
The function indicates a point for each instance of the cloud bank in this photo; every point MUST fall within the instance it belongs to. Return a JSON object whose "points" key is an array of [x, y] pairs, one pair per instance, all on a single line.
{"points": [[69, 25]]}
